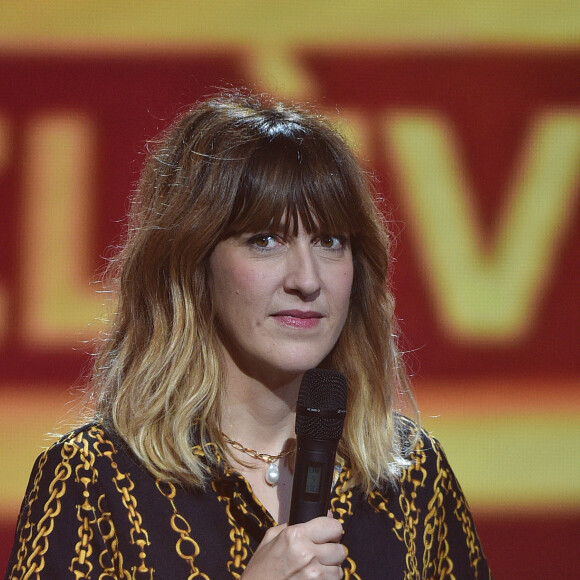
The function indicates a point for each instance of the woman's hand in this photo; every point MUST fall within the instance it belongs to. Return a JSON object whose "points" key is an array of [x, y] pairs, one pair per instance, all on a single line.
{"points": [[308, 550]]}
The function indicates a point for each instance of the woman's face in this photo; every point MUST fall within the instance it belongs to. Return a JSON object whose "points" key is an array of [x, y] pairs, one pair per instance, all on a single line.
{"points": [[281, 301]]}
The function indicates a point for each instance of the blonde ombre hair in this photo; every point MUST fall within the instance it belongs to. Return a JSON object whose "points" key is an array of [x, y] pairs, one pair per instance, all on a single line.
{"points": [[241, 163]]}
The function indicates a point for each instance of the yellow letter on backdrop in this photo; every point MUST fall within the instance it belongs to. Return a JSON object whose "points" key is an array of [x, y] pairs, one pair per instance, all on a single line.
{"points": [[59, 301], [486, 294]]}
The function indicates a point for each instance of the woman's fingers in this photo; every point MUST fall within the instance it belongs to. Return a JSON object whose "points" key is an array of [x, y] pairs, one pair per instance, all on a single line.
{"points": [[321, 530], [307, 550], [315, 543], [331, 554]]}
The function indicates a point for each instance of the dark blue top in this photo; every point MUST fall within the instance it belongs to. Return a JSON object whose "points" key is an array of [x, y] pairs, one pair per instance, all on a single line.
{"points": [[92, 511]]}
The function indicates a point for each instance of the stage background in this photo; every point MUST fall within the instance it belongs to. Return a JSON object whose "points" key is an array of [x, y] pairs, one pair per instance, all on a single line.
{"points": [[469, 115]]}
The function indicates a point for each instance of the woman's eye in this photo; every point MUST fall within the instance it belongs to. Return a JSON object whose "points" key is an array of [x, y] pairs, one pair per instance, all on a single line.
{"points": [[332, 242], [262, 241]]}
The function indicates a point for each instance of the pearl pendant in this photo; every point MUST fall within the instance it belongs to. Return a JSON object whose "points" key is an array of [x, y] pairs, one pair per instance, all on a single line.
{"points": [[272, 474]]}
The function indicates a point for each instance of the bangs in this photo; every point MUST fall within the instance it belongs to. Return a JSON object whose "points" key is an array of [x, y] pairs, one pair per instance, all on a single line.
{"points": [[288, 182]]}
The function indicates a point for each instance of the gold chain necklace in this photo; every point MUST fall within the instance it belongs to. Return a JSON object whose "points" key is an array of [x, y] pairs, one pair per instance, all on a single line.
{"points": [[272, 474]]}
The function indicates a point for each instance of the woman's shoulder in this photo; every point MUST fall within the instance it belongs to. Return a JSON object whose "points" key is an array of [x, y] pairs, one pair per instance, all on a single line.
{"points": [[418, 445], [426, 473], [88, 434], [86, 445]]}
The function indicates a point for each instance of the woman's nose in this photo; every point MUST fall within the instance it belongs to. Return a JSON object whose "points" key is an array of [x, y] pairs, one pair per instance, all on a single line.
{"points": [[302, 272]]}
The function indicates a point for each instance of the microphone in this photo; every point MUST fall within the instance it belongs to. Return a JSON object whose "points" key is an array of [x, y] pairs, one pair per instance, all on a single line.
{"points": [[320, 414]]}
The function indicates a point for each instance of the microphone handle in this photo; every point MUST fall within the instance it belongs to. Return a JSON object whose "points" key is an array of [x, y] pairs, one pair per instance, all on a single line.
{"points": [[312, 479]]}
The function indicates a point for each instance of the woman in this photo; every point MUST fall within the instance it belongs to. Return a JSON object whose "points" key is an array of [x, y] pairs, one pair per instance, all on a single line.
{"points": [[254, 252]]}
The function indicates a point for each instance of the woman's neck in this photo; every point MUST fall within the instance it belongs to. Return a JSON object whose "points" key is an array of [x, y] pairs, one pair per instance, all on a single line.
{"points": [[259, 416]]}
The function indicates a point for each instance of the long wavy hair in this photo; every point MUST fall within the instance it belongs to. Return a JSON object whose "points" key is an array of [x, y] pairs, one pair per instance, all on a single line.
{"points": [[241, 163]]}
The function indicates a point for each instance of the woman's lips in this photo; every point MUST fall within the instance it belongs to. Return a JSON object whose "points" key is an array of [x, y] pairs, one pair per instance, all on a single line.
{"points": [[298, 318]]}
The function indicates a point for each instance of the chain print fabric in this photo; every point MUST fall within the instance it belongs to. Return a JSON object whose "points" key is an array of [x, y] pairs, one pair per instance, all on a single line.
{"points": [[92, 511]]}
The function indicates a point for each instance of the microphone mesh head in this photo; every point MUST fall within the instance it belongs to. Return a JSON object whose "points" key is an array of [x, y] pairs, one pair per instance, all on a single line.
{"points": [[321, 405]]}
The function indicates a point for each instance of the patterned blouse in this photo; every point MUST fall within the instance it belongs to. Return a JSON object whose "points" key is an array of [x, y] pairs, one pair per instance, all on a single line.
{"points": [[92, 511]]}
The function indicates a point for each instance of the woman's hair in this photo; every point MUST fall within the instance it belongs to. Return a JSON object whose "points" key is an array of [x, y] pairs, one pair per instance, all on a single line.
{"points": [[240, 163]]}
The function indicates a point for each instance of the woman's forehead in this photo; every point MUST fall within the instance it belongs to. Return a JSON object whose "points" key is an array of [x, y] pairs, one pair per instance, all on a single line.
{"points": [[289, 222]]}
